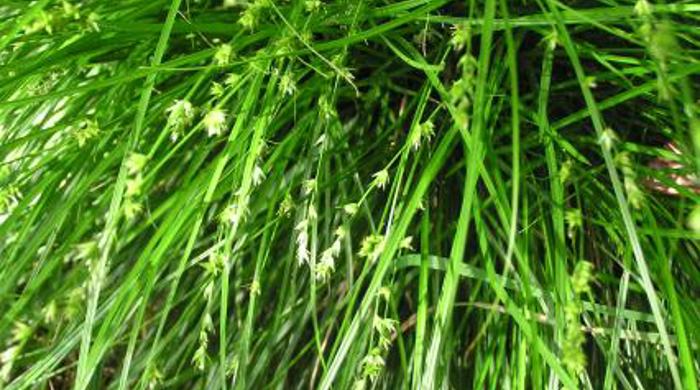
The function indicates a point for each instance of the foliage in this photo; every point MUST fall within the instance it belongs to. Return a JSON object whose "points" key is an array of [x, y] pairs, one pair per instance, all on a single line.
{"points": [[349, 194]]}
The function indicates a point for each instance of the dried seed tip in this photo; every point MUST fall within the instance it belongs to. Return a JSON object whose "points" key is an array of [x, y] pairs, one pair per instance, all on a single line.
{"points": [[214, 122]]}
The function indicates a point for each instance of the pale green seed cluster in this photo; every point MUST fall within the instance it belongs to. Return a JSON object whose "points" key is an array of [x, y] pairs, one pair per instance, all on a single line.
{"points": [[635, 195], [573, 357], [180, 116], [133, 205]]}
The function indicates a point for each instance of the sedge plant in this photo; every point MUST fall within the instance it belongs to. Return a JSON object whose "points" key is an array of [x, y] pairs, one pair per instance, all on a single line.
{"points": [[331, 194]]}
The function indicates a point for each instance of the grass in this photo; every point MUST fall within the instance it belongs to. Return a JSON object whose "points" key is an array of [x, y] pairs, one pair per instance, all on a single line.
{"points": [[362, 194]]}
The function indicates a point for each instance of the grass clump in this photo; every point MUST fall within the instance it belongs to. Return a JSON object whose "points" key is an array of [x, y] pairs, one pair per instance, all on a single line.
{"points": [[349, 194]]}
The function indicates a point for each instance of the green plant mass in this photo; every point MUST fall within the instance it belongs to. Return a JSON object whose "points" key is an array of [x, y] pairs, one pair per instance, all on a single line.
{"points": [[349, 194]]}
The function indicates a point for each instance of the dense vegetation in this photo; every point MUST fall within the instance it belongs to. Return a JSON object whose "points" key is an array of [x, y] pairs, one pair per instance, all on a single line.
{"points": [[349, 194]]}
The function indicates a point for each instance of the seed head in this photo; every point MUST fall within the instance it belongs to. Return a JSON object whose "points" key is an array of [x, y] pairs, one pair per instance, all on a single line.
{"points": [[135, 163], [643, 8], [582, 276], [87, 130], [287, 84], [406, 243], [607, 138], [134, 185], [312, 5], [302, 242], [258, 175], [381, 179], [214, 122], [461, 34], [373, 364], [216, 89], [132, 209], [372, 247], [351, 208], [309, 186], [255, 287], [326, 265], [222, 56], [180, 113], [325, 108], [232, 79]]}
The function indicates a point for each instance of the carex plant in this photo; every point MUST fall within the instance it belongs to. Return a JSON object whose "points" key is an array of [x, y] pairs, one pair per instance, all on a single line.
{"points": [[349, 194]]}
